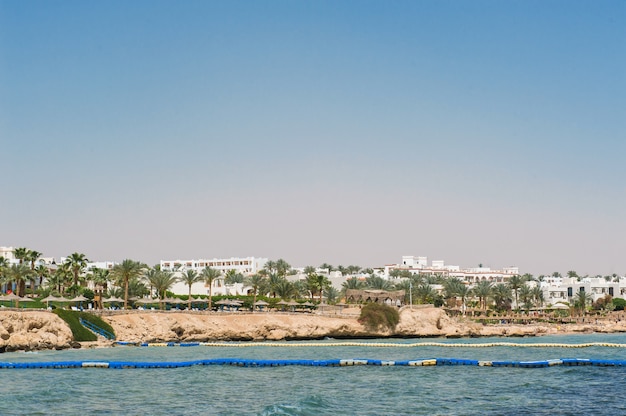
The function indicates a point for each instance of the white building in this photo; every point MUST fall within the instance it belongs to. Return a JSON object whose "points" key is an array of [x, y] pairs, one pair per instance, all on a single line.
{"points": [[419, 265], [7, 253], [567, 288], [243, 265]]}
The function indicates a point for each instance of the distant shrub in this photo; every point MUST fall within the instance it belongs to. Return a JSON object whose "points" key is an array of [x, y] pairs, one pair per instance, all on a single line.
{"points": [[376, 316], [620, 304]]}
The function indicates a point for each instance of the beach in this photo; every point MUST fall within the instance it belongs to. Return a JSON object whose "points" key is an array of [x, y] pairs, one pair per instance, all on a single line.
{"points": [[41, 330]]}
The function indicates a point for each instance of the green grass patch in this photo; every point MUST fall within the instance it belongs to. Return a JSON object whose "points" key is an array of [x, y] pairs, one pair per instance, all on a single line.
{"points": [[79, 332], [376, 316]]}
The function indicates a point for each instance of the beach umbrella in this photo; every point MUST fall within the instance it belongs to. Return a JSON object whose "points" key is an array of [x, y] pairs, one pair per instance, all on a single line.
{"points": [[260, 304], [48, 299], [113, 299], [79, 298], [146, 301], [13, 297]]}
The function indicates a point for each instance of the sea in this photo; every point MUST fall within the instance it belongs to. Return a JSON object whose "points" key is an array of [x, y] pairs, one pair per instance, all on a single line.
{"points": [[301, 390]]}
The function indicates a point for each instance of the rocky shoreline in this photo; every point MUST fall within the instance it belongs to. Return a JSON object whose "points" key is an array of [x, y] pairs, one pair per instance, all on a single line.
{"points": [[39, 330]]}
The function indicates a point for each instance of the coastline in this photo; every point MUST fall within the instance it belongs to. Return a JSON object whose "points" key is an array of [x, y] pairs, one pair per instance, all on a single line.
{"points": [[39, 330]]}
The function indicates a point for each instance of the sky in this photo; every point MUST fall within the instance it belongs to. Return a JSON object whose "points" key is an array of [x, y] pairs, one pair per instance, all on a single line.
{"points": [[345, 132]]}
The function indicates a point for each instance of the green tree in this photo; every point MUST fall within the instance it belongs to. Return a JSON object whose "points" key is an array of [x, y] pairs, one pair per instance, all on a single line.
{"points": [[32, 257], [163, 282], [482, 290], [210, 275], [42, 272], [378, 283], [538, 297], [352, 283], [317, 283], [501, 294], [189, 278], [233, 276], [581, 300], [424, 293], [256, 282], [21, 254], [515, 283], [526, 295], [126, 271], [273, 280], [77, 263], [285, 289], [282, 267], [18, 273], [332, 294]]}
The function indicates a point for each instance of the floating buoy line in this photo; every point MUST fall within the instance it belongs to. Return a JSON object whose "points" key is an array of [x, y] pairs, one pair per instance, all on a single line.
{"points": [[369, 344], [238, 362]]}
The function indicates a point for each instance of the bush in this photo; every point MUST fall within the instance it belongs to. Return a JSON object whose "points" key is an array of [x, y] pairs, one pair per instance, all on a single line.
{"points": [[375, 316], [79, 332], [620, 304]]}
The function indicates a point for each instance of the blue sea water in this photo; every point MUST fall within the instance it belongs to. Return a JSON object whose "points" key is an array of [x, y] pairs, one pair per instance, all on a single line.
{"points": [[294, 390]]}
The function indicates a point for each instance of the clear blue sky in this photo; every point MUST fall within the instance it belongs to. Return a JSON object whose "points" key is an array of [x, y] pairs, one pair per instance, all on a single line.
{"points": [[348, 132]]}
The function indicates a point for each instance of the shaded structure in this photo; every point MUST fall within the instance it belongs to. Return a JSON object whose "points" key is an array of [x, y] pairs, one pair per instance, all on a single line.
{"points": [[376, 296]]}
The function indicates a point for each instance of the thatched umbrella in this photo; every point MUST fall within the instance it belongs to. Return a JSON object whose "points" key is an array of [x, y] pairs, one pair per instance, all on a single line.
{"points": [[260, 304]]}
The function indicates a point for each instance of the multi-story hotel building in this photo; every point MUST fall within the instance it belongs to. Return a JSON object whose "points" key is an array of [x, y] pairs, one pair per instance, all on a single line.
{"points": [[244, 265]]}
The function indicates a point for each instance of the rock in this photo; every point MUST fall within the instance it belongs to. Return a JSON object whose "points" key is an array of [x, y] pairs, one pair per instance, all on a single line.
{"points": [[32, 330]]}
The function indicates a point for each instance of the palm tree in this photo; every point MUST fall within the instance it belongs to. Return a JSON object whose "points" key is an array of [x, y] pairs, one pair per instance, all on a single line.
{"points": [[270, 266], [482, 290], [378, 283], [582, 299], [60, 278], [19, 273], [526, 295], [209, 275], [501, 294], [189, 278], [285, 289], [150, 276], [515, 282], [21, 253], [424, 293], [164, 280], [77, 263], [309, 270], [319, 283], [32, 257], [233, 276], [256, 281], [352, 283], [537, 295], [4, 263], [124, 272], [42, 272], [331, 294], [100, 279], [282, 267], [274, 279]]}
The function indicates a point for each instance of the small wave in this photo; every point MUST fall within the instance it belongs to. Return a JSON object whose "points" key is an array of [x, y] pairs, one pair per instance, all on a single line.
{"points": [[311, 405]]}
